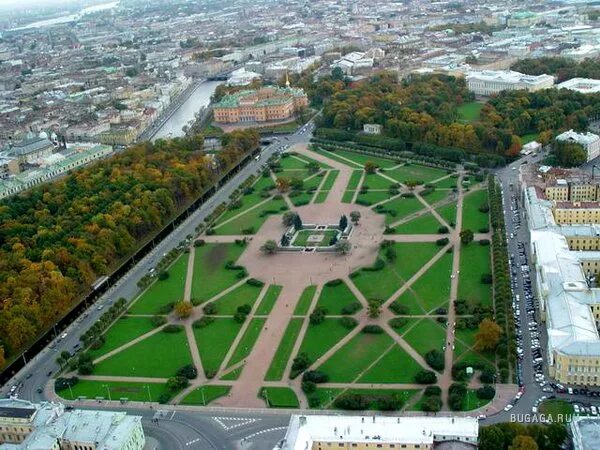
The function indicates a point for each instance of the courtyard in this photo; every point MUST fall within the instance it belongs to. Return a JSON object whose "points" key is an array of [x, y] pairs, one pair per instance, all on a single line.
{"points": [[313, 329]]}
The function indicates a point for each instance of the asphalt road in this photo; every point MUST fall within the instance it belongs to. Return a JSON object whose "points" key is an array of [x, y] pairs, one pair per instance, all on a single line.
{"points": [[185, 427]]}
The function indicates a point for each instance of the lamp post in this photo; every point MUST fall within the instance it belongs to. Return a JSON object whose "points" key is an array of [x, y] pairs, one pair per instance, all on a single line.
{"points": [[107, 390]]}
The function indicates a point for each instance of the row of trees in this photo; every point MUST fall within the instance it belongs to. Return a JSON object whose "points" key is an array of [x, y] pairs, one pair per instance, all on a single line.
{"points": [[562, 68], [516, 436], [58, 238], [424, 110]]}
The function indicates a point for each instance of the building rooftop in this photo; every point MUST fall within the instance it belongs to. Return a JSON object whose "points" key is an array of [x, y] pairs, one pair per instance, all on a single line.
{"points": [[581, 138], [508, 76], [586, 432], [304, 430], [583, 85]]}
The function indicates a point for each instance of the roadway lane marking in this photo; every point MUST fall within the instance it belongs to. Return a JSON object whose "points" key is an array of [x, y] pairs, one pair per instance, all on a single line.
{"points": [[238, 422], [268, 430], [193, 441]]}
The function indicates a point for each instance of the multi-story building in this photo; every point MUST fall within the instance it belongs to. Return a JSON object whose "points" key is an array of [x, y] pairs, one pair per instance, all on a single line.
{"points": [[581, 85], [565, 249], [268, 104], [47, 426], [589, 141], [377, 432], [489, 82]]}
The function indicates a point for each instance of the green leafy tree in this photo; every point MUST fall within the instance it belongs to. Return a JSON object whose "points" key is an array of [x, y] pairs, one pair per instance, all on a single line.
{"points": [[466, 236], [269, 247], [343, 223]]}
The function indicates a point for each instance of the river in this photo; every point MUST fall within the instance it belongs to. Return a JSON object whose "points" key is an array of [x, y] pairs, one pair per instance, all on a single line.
{"points": [[69, 18], [185, 113]]}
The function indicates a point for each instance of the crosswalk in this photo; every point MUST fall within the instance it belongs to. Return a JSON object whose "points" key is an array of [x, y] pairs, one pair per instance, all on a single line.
{"points": [[230, 423]]}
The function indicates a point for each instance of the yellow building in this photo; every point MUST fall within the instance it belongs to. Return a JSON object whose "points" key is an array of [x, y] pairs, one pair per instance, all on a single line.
{"points": [[268, 104], [576, 212], [378, 432]]}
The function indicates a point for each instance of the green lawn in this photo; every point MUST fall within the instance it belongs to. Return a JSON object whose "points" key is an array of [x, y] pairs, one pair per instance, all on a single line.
{"points": [[294, 162], [412, 172], [232, 375], [348, 196], [361, 159], [469, 112], [426, 335], [399, 208], [333, 156], [252, 220], [269, 299], [330, 180], [396, 366], [425, 224], [284, 350], [376, 181], [320, 338], [136, 392], [244, 294], [472, 218], [346, 364], [162, 292], [249, 200], [436, 196], [381, 284], [205, 394], [303, 304], [160, 355], [210, 275], [303, 198], [527, 138], [371, 197], [431, 290], [124, 330], [280, 397], [352, 186], [302, 236], [448, 213], [214, 341], [247, 341], [334, 298], [474, 262], [446, 183], [559, 410], [321, 196]]}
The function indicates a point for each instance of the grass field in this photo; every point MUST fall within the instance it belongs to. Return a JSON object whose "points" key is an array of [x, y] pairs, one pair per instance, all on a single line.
{"points": [[302, 236], [376, 181], [446, 183], [381, 284], [431, 290], [214, 341], [249, 200], [244, 294], [472, 218], [448, 213], [268, 300], [399, 208], [469, 112], [436, 196], [330, 180], [205, 394], [396, 366], [124, 330], [414, 172], [334, 298], [361, 159], [333, 156], [559, 410], [162, 292], [210, 275], [247, 341], [303, 304], [474, 262], [136, 392], [526, 138], [170, 352], [425, 224], [371, 197], [320, 338], [346, 364], [284, 351], [425, 335], [321, 197], [303, 198], [280, 397], [253, 219]]}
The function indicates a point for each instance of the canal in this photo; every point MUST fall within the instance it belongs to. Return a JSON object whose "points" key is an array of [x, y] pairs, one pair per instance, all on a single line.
{"points": [[200, 98]]}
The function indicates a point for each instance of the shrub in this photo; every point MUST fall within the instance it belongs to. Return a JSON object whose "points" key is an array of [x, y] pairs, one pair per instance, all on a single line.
{"points": [[443, 230], [351, 308], [189, 371], [64, 383], [486, 392], [484, 242], [425, 377], [210, 309], [435, 359], [398, 322], [488, 375], [441, 242], [163, 275], [255, 282], [164, 398], [167, 308], [433, 390], [348, 322], [432, 404], [372, 329], [172, 328], [456, 396], [484, 230], [399, 309], [318, 315], [486, 278], [203, 322], [378, 265], [315, 376], [299, 364], [308, 387], [158, 321]]}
